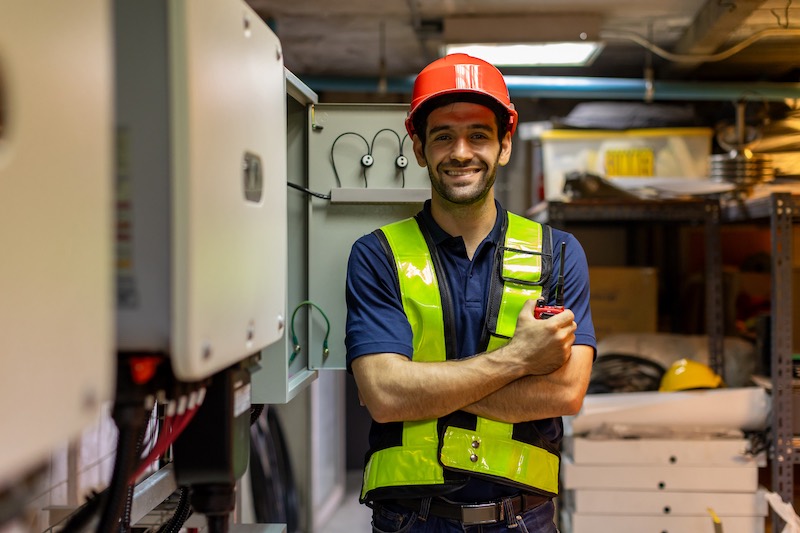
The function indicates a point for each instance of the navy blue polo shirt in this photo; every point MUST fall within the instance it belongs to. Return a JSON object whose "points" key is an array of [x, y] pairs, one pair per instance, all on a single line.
{"points": [[376, 322]]}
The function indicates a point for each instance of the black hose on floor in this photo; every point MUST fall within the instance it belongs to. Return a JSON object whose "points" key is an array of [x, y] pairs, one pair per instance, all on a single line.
{"points": [[272, 480]]}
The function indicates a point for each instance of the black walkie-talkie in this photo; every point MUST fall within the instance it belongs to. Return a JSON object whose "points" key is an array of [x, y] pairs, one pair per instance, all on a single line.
{"points": [[546, 311]]}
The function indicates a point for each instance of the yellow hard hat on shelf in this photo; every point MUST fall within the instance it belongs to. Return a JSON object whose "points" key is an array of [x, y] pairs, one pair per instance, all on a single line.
{"points": [[685, 374]]}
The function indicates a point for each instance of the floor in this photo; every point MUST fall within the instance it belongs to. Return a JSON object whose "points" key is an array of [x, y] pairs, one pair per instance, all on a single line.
{"points": [[351, 517]]}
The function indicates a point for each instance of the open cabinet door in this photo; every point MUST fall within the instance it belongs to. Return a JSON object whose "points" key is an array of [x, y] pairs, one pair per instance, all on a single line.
{"points": [[329, 206]]}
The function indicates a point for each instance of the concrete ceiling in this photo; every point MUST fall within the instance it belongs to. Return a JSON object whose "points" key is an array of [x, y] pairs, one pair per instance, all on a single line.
{"points": [[396, 38]]}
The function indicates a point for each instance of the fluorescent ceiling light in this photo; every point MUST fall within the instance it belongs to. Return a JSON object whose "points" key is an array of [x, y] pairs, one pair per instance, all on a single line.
{"points": [[566, 54]]}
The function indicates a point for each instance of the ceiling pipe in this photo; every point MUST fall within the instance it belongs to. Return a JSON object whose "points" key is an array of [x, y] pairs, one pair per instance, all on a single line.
{"points": [[569, 87]]}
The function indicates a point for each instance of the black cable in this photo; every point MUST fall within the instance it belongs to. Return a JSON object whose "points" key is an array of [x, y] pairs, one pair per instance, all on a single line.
{"points": [[308, 191], [125, 520], [215, 500], [130, 421], [333, 161], [399, 148], [217, 523], [624, 373], [264, 478], [285, 472], [759, 442], [274, 490], [181, 514], [399, 142], [402, 143], [97, 503], [125, 523], [255, 412], [83, 515]]}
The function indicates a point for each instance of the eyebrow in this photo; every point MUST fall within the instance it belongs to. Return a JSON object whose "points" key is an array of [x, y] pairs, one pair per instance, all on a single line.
{"points": [[478, 126]]}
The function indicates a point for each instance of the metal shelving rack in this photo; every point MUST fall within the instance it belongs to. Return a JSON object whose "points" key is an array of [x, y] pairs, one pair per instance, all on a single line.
{"points": [[781, 211], [695, 211]]}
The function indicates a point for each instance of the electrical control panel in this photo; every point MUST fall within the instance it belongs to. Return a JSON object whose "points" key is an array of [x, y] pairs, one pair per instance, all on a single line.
{"points": [[351, 169], [362, 198], [201, 183], [56, 181]]}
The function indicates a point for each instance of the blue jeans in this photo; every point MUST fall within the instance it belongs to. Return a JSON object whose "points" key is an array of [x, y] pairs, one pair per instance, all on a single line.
{"points": [[394, 519]]}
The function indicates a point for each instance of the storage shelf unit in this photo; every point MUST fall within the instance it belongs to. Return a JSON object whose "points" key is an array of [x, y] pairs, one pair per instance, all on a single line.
{"points": [[780, 210], [706, 212]]}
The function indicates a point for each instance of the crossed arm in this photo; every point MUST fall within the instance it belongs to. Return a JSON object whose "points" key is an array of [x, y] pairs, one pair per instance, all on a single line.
{"points": [[559, 393], [539, 374]]}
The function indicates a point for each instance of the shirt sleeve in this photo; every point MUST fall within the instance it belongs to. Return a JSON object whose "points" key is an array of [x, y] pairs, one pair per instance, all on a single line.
{"points": [[576, 286], [376, 321]]}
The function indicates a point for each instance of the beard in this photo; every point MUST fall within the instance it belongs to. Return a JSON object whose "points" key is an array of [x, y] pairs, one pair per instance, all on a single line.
{"points": [[467, 194]]}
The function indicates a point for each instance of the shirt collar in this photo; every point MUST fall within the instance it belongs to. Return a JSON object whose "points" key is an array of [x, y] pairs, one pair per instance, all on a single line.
{"points": [[439, 235]]}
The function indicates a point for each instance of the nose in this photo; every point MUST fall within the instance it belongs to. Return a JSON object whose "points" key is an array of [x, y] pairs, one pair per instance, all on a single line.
{"points": [[462, 150]]}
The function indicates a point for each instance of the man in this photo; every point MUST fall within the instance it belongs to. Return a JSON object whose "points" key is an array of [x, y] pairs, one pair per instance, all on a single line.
{"points": [[465, 385]]}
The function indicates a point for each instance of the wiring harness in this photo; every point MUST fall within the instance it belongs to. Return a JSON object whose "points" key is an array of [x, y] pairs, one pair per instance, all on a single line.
{"points": [[366, 161]]}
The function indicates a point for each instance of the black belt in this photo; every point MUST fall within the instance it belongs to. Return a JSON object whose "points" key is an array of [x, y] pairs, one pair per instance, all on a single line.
{"points": [[475, 513]]}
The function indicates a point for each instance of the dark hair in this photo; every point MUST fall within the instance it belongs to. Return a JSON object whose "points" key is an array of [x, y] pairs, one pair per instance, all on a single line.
{"points": [[420, 118]]}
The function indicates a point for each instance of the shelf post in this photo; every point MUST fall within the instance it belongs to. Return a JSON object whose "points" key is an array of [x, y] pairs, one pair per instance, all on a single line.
{"points": [[781, 214], [714, 304]]}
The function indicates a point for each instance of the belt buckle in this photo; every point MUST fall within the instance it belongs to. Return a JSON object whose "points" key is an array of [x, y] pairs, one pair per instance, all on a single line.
{"points": [[480, 513]]}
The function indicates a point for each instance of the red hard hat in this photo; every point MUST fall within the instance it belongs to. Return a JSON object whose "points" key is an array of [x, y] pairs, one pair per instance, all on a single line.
{"points": [[460, 73]]}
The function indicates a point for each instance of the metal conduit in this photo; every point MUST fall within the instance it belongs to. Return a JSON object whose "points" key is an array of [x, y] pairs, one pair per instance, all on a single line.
{"points": [[566, 87]]}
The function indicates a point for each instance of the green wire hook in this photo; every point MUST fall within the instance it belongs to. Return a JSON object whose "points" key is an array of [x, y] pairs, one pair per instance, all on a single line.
{"points": [[296, 343]]}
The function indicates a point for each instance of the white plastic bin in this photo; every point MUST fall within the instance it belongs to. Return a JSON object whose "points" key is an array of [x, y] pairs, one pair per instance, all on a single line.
{"points": [[640, 153]]}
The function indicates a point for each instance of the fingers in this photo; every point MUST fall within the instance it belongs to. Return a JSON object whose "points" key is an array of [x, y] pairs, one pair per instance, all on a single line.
{"points": [[564, 317]]}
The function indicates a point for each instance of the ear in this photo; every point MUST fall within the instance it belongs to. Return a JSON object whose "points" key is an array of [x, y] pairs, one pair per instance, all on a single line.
{"points": [[419, 151], [505, 149]]}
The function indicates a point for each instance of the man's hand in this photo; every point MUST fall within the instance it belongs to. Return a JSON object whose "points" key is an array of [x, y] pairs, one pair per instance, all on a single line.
{"points": [[542, 346]]}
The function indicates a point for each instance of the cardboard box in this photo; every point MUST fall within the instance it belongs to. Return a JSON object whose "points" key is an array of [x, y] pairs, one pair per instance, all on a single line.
{"points": [[638, 153], [623, 300]]}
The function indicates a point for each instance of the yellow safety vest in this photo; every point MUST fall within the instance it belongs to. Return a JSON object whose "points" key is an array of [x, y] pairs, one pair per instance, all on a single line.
{"points": [[435, 456]]}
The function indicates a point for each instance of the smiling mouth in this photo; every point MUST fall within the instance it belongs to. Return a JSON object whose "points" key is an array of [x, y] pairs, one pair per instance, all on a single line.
{"points": [[461, 172]]}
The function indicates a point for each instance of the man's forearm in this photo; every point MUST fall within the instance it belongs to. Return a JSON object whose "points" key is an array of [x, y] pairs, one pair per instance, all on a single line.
{"points": [[537, 397], [396, 389]]}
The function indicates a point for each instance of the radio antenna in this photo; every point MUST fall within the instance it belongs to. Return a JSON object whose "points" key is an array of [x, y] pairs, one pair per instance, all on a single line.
{"points": [[560, 282]]}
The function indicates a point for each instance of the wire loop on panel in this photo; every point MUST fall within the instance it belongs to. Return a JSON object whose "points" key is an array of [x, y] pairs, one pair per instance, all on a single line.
{"points": [[333, 161], [296, 343]]}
